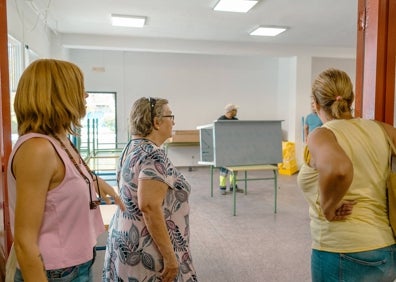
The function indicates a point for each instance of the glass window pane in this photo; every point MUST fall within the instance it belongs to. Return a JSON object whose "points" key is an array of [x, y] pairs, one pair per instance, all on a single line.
{"points": [[99, 125], [15, 71]]}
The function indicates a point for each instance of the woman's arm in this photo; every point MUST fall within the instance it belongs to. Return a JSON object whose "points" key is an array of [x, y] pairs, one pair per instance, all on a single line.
{"points": [[335, 172], [107, 190], [151, 195], [36, 167]]}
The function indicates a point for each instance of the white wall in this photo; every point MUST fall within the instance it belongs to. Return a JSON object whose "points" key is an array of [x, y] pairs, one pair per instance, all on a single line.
{"points": [[197, 86], [319, 64], [24, 26], [299, 70]]}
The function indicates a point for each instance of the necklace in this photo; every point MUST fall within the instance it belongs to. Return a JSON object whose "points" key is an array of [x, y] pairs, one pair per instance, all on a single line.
{"points": [[92, 204]]}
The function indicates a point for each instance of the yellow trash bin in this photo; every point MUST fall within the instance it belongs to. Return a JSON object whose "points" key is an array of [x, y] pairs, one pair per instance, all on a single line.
{"points": [[289, 164]]}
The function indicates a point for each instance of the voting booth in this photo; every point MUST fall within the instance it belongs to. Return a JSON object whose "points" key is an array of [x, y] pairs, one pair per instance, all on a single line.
{"points": [[242, 146], [241, 142]]}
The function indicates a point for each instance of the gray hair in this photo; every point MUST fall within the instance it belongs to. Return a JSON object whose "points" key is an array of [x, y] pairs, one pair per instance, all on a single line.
{"points": [[142, 115]]}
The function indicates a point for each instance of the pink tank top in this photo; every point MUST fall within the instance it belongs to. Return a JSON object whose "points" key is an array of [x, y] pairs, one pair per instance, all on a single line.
{"points": [[69, 228]]}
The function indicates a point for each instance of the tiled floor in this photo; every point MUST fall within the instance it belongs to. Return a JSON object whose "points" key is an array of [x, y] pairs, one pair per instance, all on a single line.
{"points": [[256, 245]]}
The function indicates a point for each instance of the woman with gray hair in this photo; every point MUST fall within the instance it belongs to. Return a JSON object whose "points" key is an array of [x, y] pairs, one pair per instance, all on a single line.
{"points": [[344, 182], [150, 240]]}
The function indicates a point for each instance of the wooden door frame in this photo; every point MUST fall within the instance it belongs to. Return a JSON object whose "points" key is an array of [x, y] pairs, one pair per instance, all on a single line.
{"points": [[375, 60], [5, 128]]}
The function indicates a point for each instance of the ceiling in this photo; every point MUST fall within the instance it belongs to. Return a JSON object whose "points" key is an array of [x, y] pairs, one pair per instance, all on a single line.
{"points": [[318, 23]]}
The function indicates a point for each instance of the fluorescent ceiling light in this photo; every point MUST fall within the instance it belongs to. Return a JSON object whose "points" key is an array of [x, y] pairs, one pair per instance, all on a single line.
{"points": [[128, 21], [239, 6], [267, 31]]}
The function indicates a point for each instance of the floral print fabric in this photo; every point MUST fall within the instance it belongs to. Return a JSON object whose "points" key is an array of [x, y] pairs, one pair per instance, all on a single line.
{"points": [[131, 254]]}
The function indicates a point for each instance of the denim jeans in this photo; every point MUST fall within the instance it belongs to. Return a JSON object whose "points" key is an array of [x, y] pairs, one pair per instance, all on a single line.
{"points": [[376, 265], [78, 273]]}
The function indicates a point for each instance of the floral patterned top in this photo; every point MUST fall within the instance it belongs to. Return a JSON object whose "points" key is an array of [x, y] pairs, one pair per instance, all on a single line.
{"points": [[131, 254]]}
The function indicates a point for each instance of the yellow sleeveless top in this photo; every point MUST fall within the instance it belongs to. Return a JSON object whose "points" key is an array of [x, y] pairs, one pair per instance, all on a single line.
{"points": [[367, 228]]}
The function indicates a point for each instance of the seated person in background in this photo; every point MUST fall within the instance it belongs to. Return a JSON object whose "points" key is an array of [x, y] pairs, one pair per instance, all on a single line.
{"points": [[312, 121], [231, 111]]}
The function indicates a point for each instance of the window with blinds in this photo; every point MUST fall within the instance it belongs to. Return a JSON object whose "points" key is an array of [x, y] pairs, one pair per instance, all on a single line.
{"points": [[15, 60], [15, 63]]}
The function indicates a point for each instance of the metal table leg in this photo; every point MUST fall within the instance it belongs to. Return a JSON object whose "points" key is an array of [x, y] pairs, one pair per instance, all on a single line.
{"points": [[211, 181]]}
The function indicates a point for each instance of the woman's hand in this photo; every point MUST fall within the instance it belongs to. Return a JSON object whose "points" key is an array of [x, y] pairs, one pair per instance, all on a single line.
{"points": [[171, 268], [343, 210]]}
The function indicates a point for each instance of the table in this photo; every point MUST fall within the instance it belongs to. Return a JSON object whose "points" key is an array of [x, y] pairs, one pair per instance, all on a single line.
{"points": [[180, 152], [245, 169], [107, 212]]}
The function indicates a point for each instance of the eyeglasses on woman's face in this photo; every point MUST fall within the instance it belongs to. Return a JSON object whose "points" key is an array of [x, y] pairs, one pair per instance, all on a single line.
{"points": [[170, 116], [153, 102]]}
